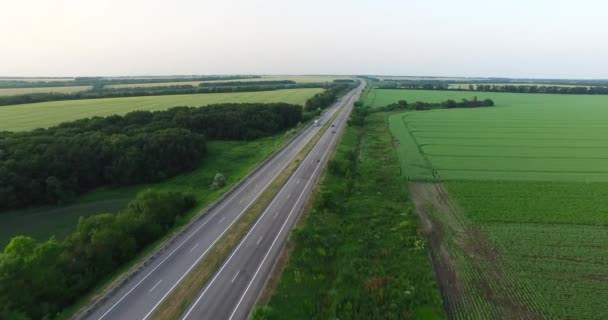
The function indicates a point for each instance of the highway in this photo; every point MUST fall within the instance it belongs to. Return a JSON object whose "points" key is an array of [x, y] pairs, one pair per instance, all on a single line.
{"points": [[234, 289], [140, 295]]}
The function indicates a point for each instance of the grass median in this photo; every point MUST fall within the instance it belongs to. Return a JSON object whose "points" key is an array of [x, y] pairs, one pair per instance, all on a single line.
{"points": [[176, 303]]}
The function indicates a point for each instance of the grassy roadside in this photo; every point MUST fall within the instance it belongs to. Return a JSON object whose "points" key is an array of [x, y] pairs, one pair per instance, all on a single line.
{"points": [[175, 305], [358, 254], [224, 157], [234, 159]]}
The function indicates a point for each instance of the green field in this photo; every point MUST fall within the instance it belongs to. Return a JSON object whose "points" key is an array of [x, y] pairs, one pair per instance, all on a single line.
{"points": [[530, 178], [234, 159], [16, 91], [45, 114], [525, 137], [298, 79]]}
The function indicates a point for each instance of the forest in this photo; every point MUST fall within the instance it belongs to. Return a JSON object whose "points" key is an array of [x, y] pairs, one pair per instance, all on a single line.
{"points": [[49, 166], [39, 279], [326, 98]]}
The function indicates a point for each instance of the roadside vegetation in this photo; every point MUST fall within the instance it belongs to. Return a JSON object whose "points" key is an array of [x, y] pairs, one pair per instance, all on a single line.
{"points": [[358, 254], [511, 200]]}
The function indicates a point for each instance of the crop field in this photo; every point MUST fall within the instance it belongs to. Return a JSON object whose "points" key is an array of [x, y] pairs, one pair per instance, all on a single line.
{"points": [[16, 91], [298, 79], [39, 115], [518, 200]]}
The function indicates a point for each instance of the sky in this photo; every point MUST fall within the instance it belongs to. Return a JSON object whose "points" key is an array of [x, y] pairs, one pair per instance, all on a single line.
{"points": [[473, 38]]}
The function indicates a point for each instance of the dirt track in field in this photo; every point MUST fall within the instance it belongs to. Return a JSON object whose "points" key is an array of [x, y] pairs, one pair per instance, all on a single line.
{"points": [[473, 277]]}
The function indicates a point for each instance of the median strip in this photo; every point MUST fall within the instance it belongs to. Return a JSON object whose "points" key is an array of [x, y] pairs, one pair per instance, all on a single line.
{"points": [[176, 303]]}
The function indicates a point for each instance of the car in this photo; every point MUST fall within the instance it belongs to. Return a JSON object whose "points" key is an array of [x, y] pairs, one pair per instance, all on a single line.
{"points": [[332, 125], [333, 131]]}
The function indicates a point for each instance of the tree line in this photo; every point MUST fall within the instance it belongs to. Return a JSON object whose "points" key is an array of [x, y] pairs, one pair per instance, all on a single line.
{"points": [[326, 98], [244, 83], [540, 89], [40, 279], [102, 81], [448, 104], [99, 93], [47, 166]]}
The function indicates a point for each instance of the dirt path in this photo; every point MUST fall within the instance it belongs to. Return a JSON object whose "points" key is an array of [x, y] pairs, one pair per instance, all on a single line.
{"points": [[474, 278]]}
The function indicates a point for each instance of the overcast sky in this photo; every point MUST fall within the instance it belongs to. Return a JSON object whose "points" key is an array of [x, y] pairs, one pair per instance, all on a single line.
{"points": [[513, 38]]}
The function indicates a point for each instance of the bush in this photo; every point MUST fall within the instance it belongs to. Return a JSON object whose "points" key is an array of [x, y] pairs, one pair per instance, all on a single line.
{"points": [[219, 181]]}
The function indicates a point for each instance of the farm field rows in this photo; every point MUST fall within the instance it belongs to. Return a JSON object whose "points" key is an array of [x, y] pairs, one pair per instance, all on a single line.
{"points": [[528, 185], [39, 115]]}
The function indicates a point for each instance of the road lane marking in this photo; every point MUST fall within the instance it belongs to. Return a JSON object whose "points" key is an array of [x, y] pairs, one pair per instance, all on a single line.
{"points": [[300, 139], [156, 285], [276, 214], [196, 245], [217, 239], [280, 231], [236, 275], [288, 196], [217, 211], [222, 219], [258, 243], [253, 228]]}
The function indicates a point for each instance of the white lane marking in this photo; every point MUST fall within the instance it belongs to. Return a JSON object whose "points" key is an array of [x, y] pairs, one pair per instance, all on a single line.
{"points": [[222, 219], [253, 228], [236, 275], [217, 211], [196, 245], [156, 285], [259, 240], [276, 214], [273, 244], [299, 140], [298, 182], [281, 230], [216, 240], [288, 196], [241, 200]]}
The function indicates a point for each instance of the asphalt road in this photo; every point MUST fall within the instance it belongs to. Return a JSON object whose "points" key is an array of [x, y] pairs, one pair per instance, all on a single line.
{"points": [[235, 288], [139, 297]]}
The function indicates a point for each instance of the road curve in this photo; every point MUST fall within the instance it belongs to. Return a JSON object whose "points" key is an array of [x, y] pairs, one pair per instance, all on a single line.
{"points": [[236, 286], [139, 296]]}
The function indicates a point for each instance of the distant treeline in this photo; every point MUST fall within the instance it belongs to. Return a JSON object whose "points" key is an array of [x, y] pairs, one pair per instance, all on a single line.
{"points": [[540, 89], [448, 104], [40, 279], [394, 83], [415, 85], [565, 88], [51, 165], [145, 91], [344, 81], [328, 97], [102, 81], [244, 83]]}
